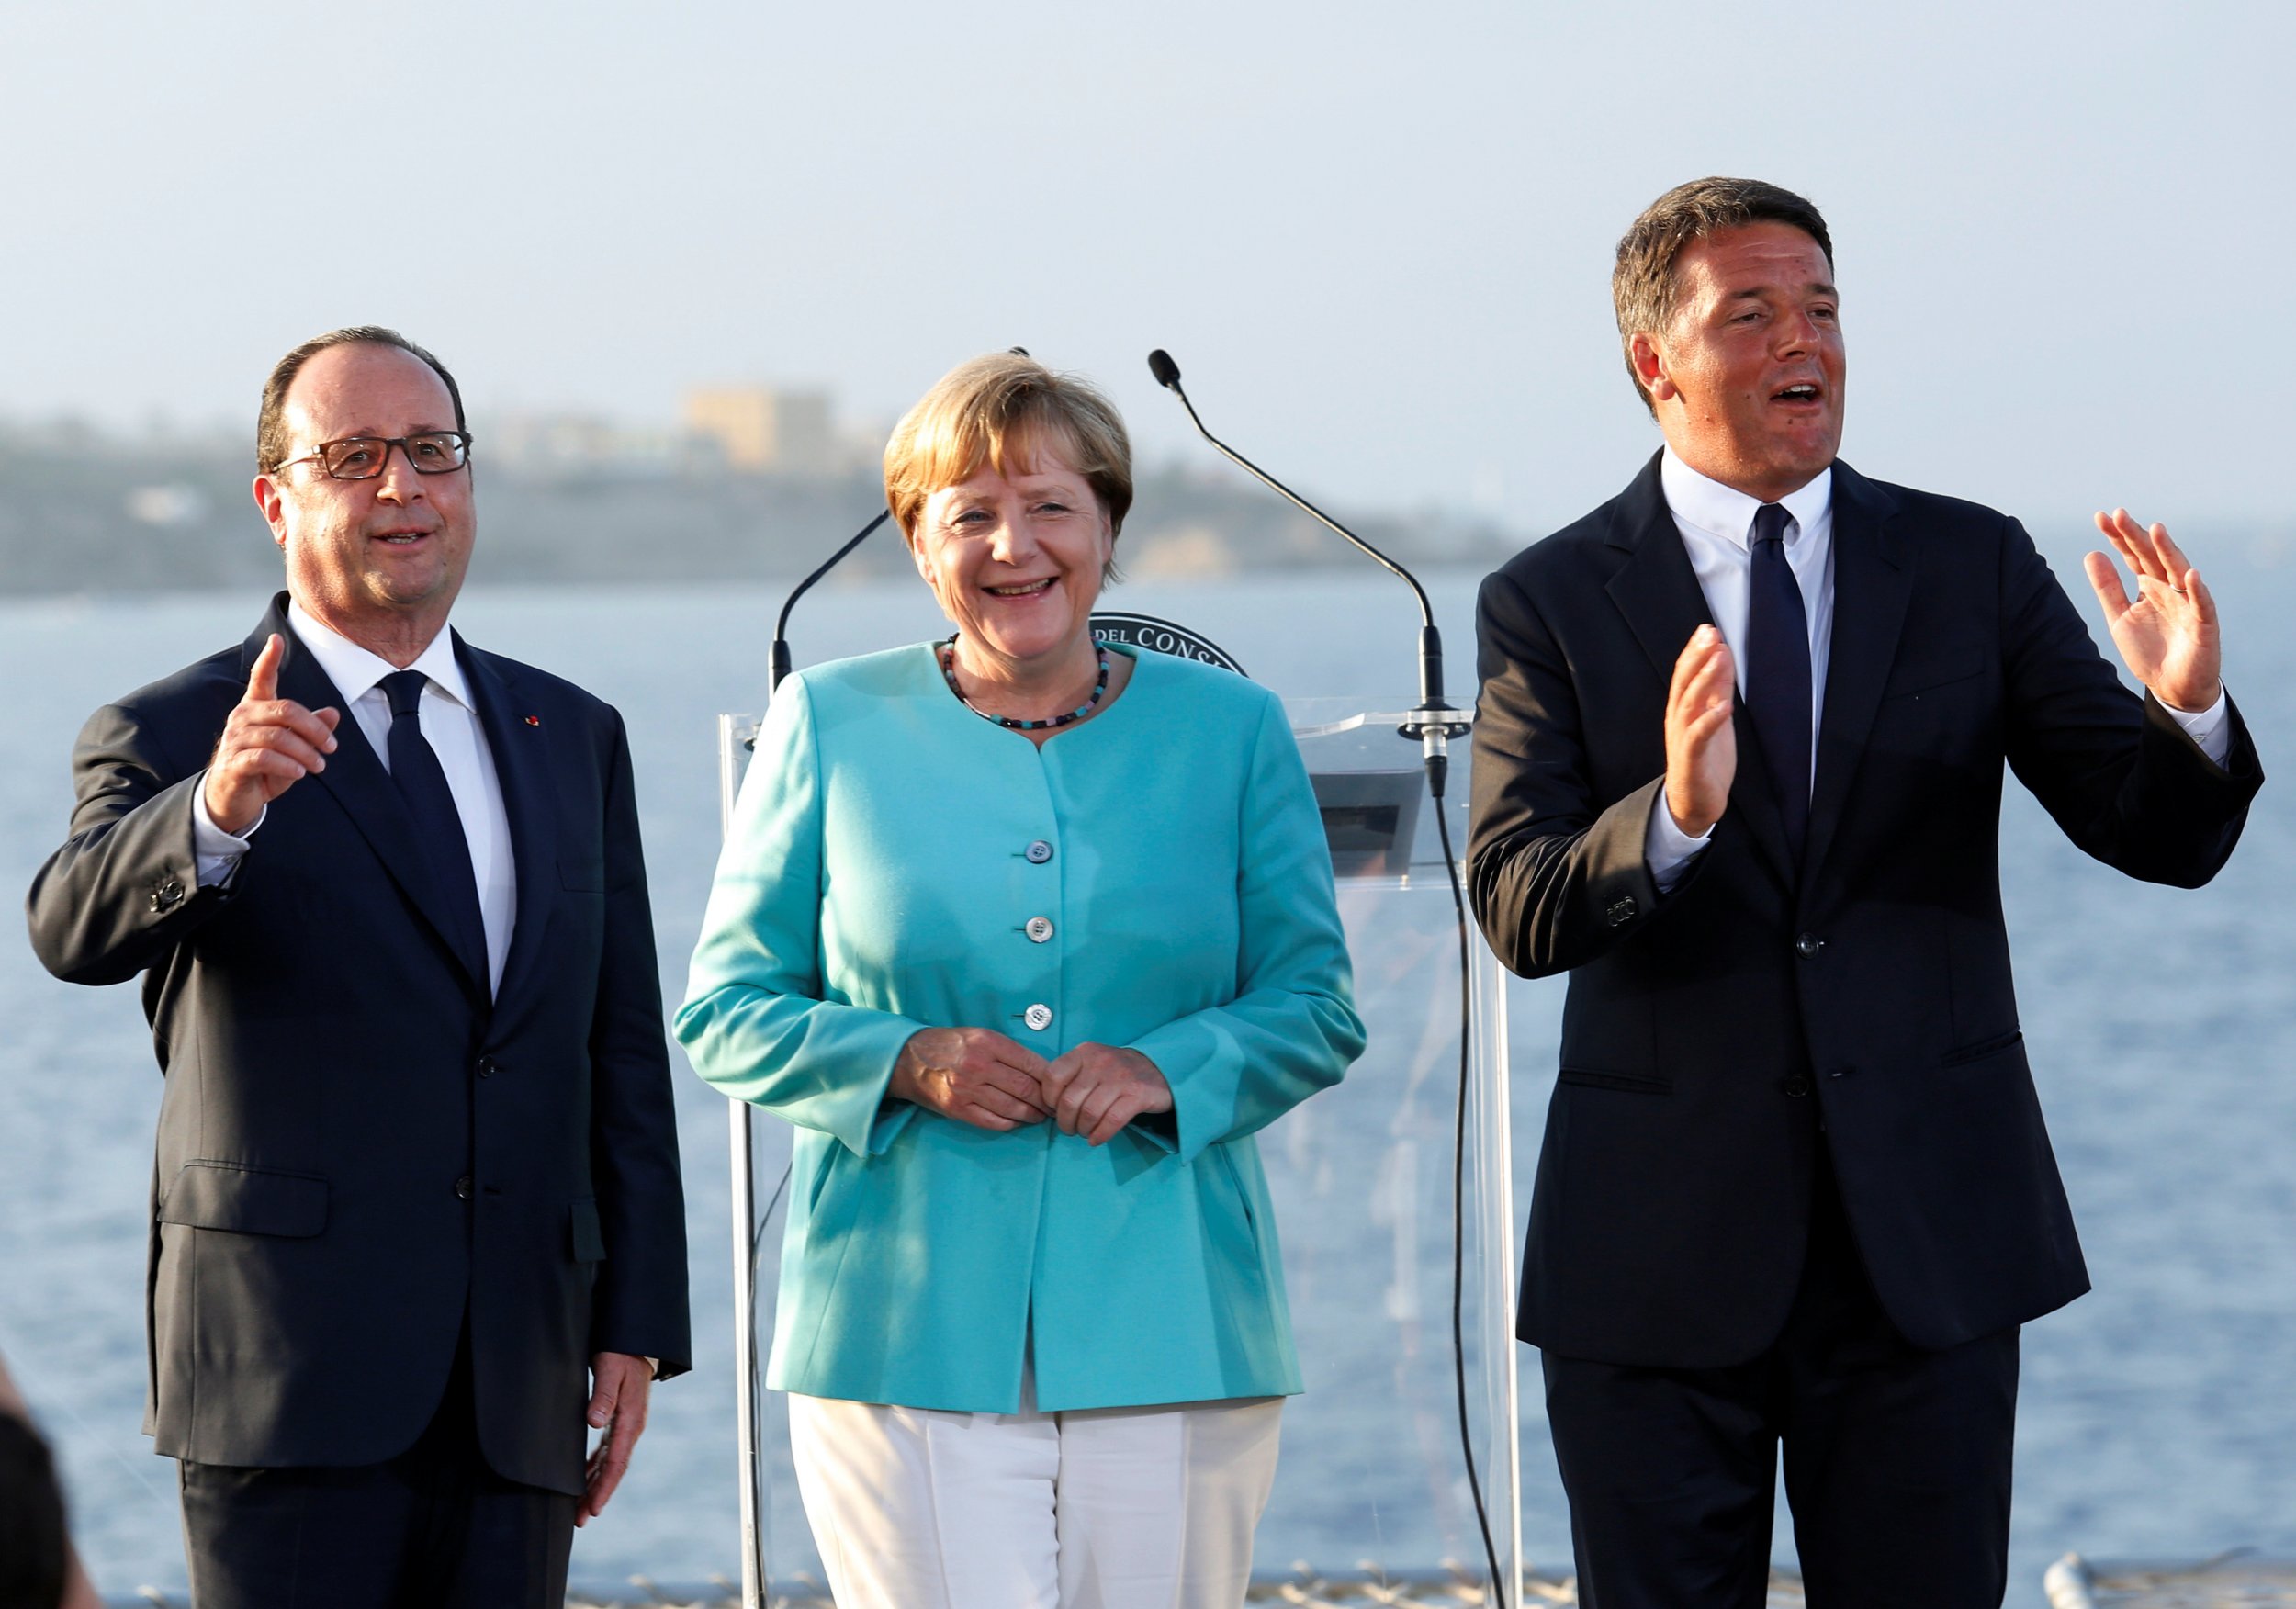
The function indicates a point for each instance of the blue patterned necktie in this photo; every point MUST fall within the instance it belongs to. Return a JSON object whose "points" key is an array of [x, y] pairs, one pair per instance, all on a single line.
{"points": [[431, 806], [1777, 673]]}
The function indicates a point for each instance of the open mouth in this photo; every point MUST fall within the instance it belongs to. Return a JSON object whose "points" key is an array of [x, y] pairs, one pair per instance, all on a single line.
{"points": [[1021, 589], [1803, 392], [401, 538]]}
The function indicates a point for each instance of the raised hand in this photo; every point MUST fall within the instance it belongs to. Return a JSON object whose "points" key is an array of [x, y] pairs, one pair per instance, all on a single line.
{"points": [[973, 1074], [2166, 634], [1700, 742], [1097, 1089], [269, 745]]}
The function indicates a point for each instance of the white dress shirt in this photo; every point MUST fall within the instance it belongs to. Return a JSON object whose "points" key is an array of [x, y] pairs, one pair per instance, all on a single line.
{"points": [[1716, 523], [450, 723]]}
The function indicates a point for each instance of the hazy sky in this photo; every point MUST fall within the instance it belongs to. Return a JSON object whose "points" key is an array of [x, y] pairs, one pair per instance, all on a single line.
{"points": [[1376, 238]]}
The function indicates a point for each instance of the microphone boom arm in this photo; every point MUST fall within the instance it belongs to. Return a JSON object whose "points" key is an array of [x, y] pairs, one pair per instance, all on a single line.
{"points": [[780, 665], [1435, 721], [1427, 613]]}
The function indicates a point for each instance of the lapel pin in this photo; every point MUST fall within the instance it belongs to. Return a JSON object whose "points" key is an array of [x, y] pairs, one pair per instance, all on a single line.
{"points": [[533, 720]]}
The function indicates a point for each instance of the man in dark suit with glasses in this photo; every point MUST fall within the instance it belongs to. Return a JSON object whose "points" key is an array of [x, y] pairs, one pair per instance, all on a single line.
{"points": [[416, 1213], [1738, 770]]}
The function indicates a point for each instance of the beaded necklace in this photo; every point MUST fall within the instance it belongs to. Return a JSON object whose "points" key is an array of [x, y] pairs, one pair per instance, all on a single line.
{"points": [[946, 652]]}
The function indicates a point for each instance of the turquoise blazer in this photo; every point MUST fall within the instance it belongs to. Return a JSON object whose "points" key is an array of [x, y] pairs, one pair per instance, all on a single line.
{"points": [[886, 869]]}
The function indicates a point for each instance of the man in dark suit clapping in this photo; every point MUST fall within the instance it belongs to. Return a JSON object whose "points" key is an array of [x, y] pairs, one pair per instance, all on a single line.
{"points": [[1738, 770], [416, 1213]]}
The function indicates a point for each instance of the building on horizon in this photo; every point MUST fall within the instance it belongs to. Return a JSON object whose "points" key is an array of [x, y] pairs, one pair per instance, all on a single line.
{"points": [[761, 430]]}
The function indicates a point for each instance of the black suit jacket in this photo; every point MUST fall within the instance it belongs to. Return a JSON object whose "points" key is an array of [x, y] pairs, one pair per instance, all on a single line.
{"points": [[356, 1146], [1871, 981]]}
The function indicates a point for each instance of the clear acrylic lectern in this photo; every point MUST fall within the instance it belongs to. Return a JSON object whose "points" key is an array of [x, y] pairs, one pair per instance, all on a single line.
{"points": [[1373, 1479]]}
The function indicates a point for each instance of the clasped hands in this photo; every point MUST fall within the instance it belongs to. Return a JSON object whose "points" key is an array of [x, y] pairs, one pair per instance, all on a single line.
{"points": [[2166, 634], [979, 1076]]}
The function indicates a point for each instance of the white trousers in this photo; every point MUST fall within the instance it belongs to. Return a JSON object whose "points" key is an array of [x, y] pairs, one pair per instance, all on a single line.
{"points": [[1102, 1508]]}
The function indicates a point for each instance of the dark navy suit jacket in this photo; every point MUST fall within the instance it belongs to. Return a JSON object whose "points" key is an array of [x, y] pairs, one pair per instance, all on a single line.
{"points": [[1871, 981], [358, 1146]]}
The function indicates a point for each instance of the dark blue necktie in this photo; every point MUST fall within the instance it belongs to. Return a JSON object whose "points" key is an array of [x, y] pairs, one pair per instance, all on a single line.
{"points": [[431, 806], [1777, 673]]}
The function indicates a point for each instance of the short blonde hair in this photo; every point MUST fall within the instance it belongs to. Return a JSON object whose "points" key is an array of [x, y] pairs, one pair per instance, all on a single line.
{"points": [[1002, 411]]}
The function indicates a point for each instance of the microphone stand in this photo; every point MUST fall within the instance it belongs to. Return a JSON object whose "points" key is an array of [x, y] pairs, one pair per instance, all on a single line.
{"points": [[1435, 721], [1433, 724], [750, 1224], [779, 666]]}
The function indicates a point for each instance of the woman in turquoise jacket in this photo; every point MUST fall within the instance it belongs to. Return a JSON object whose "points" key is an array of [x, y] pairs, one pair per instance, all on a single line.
{"points": [[1027, 937]]}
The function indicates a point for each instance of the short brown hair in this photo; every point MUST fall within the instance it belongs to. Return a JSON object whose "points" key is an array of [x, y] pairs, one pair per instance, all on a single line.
{"points": [[271, 436], [1003, 410], [1643, 286]]}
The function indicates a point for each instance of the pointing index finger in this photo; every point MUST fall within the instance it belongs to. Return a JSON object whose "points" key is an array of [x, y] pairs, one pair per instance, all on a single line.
{"points": [[263, 682]]}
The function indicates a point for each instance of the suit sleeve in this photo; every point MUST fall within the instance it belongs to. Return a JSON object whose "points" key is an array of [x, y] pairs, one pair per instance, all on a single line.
{"points": [[124, 889], [1557, 874], [758, 1020], [2126, 782], [639, 1303], [1291, 1028]]}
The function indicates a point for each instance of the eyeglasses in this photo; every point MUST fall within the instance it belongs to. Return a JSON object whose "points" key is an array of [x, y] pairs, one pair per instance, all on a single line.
{"points": [[434, 452]]}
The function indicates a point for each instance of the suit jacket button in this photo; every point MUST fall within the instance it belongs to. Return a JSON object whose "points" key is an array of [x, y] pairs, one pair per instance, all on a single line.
{"points": [[1796, 1086], [1039, 929], [1808, 945], [486, 1066], [1038, 852], [1621, 911], [1039, 1017], [462, 1187]]}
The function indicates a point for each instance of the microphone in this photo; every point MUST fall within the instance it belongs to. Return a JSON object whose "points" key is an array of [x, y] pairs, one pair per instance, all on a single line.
{"points": [[1435, 722], [779, 666]]}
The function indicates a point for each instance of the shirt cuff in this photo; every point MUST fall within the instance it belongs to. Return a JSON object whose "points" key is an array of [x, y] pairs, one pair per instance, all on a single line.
{"points": [[216, 851], [1667, 850], [2209, 728]]}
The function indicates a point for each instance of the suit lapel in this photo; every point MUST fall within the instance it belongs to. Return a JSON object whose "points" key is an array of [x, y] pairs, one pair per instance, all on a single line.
{"points": [[521, 764], [357, 780], [1873, 569], [1657, 592], [1655, 589]]}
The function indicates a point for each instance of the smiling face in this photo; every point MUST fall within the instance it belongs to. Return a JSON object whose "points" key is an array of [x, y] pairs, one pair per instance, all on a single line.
{"points": [[1015, 562], [1748, 376], [380, 561]]}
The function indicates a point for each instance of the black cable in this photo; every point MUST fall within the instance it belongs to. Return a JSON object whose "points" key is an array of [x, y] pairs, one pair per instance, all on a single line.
{"points": [[1459, 1194], [757, 1235], [757, 1252]]}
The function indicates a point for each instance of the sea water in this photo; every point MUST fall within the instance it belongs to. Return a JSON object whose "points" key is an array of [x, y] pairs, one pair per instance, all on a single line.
{"points": [[2158, 1414]]}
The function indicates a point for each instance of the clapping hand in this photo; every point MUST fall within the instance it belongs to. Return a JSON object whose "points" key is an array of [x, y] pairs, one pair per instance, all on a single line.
{"points": [[1700, 742], [269, 743], [2166, 634]]}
